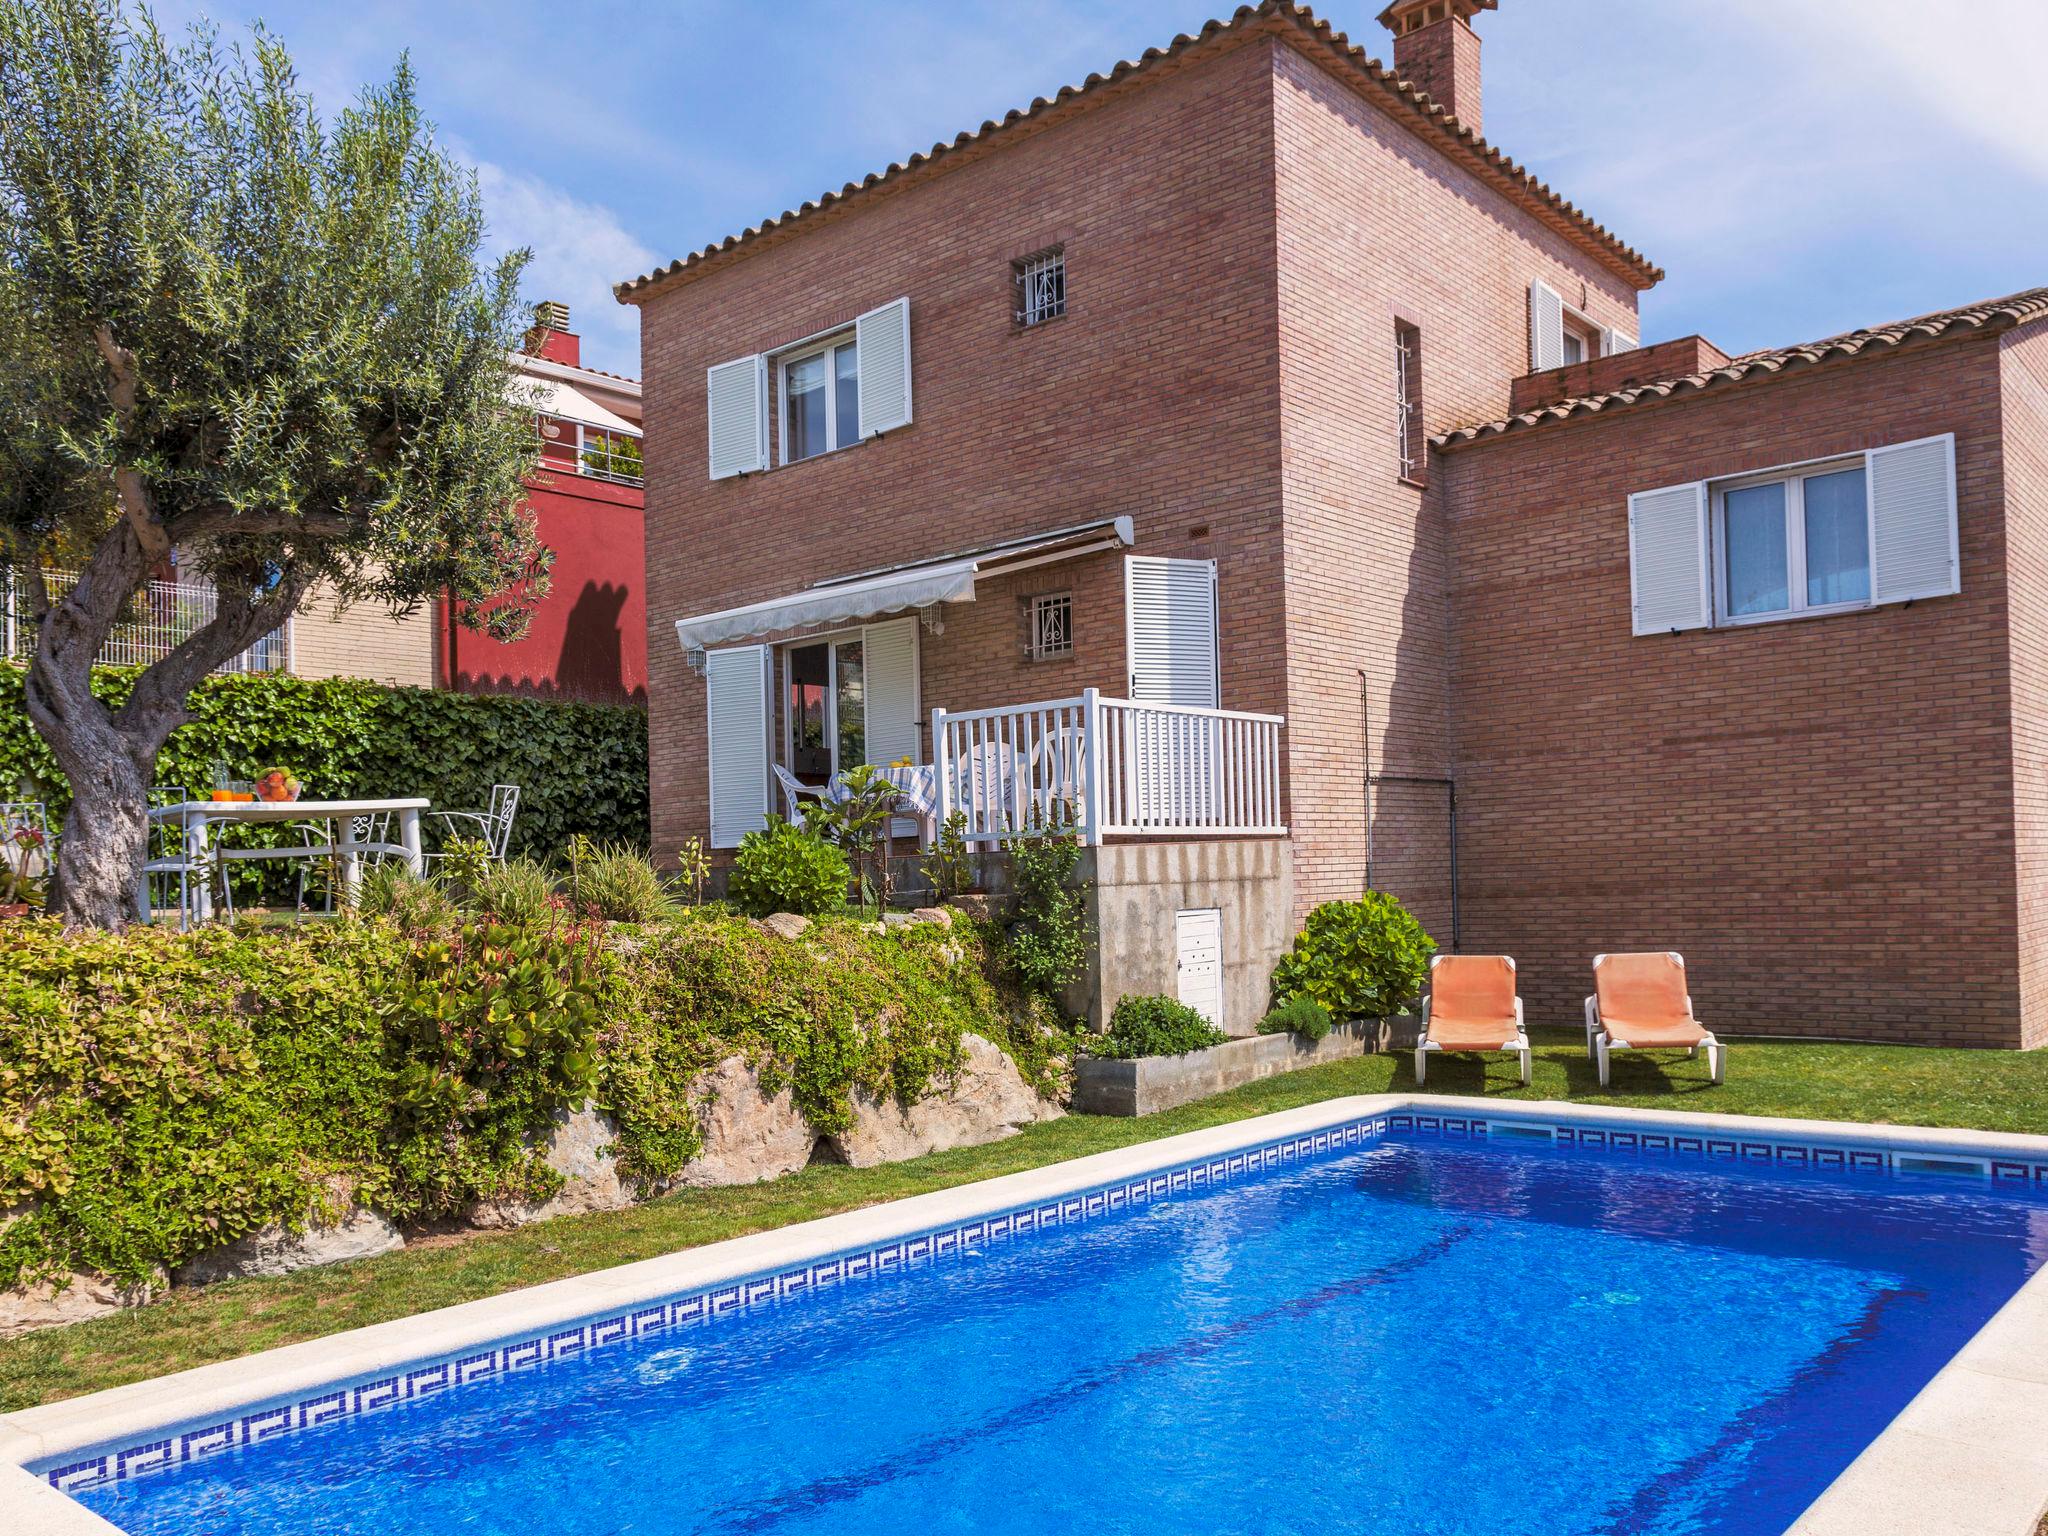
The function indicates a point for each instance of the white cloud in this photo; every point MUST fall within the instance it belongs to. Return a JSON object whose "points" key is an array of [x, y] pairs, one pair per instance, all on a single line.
{"points": [[579, 250]]}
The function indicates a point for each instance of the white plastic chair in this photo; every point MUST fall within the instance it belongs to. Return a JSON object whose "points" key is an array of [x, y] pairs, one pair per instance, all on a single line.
{"points": [[792, 788], [172, 857]]}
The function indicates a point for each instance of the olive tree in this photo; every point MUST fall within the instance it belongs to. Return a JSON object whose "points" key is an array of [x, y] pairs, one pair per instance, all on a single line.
{"points": [[234, 331]]}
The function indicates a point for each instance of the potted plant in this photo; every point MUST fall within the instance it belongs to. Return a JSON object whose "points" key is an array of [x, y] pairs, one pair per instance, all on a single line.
{"points": [[24, 843]]}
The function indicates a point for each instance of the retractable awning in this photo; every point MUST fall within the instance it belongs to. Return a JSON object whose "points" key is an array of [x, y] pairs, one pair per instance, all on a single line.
{"points": [[551, 397], [897, 589]]}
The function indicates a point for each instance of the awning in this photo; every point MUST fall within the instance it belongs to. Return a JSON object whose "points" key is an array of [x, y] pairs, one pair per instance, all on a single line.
{"points": [[897, 589], [552, 397]]}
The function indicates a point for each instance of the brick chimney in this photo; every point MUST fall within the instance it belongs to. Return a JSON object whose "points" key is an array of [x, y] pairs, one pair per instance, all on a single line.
{"points": [[551, 337], [1436, 50]]}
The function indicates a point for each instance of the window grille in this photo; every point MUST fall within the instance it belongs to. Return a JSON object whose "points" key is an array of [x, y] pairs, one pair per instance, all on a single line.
{"points": [[1408, 401], [1041, 287], [1052, 626]]}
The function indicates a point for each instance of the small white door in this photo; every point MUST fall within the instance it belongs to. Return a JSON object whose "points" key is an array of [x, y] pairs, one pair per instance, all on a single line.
{"points": [[1198, 944]]}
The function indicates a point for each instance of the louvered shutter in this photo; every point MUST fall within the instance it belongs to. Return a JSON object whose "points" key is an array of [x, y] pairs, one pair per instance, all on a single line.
{"points": [[1613, 341], [889, 676], [736, 687], [1667, 559], [1913, 551], [883, 339], [1171, 620], [737, 393], [1546, 328]]}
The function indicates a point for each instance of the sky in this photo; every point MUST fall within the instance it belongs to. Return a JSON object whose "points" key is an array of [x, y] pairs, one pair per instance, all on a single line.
{"points": [[1798, 167]]}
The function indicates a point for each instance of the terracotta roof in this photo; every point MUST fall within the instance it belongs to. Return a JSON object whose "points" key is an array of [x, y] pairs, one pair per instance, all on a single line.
{"points": [[1991, 315], [1284, 18]]}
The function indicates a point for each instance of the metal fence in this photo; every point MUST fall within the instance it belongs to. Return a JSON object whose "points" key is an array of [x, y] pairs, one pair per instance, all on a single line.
{"points": [[152, 625]]}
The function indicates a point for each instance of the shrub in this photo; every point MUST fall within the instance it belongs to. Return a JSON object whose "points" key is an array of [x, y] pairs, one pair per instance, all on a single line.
{"points": [[1154, 1026], [1362, 959], [1297, 1016], [413, 903], [784, 868], [517, 891], [162, 1093], [1049, 918], [615, 882], [950, 865]]}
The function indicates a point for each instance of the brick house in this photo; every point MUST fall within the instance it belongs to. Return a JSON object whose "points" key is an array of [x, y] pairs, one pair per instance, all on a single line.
{"points": [[1284, 488]]}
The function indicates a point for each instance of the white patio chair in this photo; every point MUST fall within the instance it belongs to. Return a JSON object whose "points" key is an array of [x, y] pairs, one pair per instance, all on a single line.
{"points": [[1058, 777], [792, 788], [371, 834], [170, 858], [492, 827], [985, 784]]}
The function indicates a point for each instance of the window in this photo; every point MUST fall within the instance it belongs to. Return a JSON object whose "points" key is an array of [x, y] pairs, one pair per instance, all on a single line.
{"points": [[820, 391], [1408, 441], [1041, 286], [825, 708], [1793, 543], [1051, 617]]}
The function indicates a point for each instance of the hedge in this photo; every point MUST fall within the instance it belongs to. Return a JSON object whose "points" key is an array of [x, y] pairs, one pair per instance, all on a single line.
{"points": [[580, 767], [162, 1092]]}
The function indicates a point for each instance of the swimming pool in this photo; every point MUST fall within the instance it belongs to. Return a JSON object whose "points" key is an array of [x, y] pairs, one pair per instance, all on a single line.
{"points": [[1399, 1323]]}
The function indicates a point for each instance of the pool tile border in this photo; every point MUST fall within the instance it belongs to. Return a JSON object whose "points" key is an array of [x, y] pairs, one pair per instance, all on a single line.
{"points": [[1334, 1125]]}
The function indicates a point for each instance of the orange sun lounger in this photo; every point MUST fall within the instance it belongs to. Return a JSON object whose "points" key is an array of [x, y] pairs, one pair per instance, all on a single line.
{"points": [[1640, 1003], [1471, 1006]]}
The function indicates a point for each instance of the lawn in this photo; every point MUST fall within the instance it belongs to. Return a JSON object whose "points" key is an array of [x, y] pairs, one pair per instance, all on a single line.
{"points": [[1989, 1090]]}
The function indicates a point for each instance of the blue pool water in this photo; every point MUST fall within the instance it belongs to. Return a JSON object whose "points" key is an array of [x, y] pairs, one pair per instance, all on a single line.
{"points": [[1414, 1336]]}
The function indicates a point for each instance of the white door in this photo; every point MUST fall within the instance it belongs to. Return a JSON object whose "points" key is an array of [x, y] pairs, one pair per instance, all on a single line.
{"points": [[736, 682], [1198, 947], [1172, 772]]}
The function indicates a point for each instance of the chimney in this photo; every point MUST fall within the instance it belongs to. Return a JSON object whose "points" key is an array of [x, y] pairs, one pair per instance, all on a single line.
{"points": [[551, 337], [1436, 50]]}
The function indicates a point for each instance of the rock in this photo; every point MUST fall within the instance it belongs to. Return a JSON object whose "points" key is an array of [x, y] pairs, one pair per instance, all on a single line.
{"points": [[943, 916], [26, 1309], [986, 1100], [749, 1135], [786, 925], [274, 1250], [897, 919], [981, 908], [578, 1148]]}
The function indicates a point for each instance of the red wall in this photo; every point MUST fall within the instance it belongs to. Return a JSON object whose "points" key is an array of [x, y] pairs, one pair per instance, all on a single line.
{"points": [[588, 637]]}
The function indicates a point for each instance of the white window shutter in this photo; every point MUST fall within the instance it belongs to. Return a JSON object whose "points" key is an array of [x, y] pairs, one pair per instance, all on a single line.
{"points": [[1170, 617], [1613, 341], [1667, 559], [737, 393], [1546, 328], [1913, 543], [883, 338], [736, 735], [889, 676]]}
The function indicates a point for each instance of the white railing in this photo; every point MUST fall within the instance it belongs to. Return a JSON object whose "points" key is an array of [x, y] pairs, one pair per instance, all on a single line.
{"points": [[1108, 768], [159, 619], [584, 449]]}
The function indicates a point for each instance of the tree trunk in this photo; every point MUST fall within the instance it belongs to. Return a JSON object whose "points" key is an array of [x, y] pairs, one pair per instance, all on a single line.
{"points": [[109, 756]]}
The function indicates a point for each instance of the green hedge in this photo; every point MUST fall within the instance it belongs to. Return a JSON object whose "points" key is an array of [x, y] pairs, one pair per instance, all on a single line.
{"points": [[164, 1092], [580, 767]]}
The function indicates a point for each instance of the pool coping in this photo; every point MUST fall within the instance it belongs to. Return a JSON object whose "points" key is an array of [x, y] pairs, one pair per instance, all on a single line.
{"points": [[1968, 1455]]}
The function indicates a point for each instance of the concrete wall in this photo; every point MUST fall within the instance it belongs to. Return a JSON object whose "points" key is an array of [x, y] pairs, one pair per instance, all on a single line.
{"points": [[1152, 1083], [1138, 887]]}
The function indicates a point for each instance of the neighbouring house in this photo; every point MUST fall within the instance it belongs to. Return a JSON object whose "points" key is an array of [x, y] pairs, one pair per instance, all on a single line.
{"points": [[588, 637], [1283, 481]]}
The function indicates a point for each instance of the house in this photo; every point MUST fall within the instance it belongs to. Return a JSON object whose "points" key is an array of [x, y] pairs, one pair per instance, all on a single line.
{"points": [[587, 638], [1242, 446]]}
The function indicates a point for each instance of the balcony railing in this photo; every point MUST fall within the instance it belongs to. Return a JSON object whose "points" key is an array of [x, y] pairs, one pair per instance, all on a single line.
{"points": [[156, 622], [582, 449], [1105, 768]]}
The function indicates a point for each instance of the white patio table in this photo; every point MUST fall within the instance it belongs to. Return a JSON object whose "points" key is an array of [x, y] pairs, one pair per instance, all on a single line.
{"points": [[917, 794], [198, 817]]}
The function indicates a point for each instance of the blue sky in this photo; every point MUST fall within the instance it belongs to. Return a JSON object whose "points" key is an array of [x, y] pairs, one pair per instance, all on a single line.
{"points": [[1798, 167]]}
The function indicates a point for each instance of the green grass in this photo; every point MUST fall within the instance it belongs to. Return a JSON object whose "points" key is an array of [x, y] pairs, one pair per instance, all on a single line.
{"points": [[1990, 1090]]}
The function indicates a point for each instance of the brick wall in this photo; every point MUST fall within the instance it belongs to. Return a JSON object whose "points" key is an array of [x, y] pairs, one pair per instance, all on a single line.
{"points": [[1154, 396], [1443, 59], [2023, 366], [1375, 225], [1819, 813], [363, 640]]}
